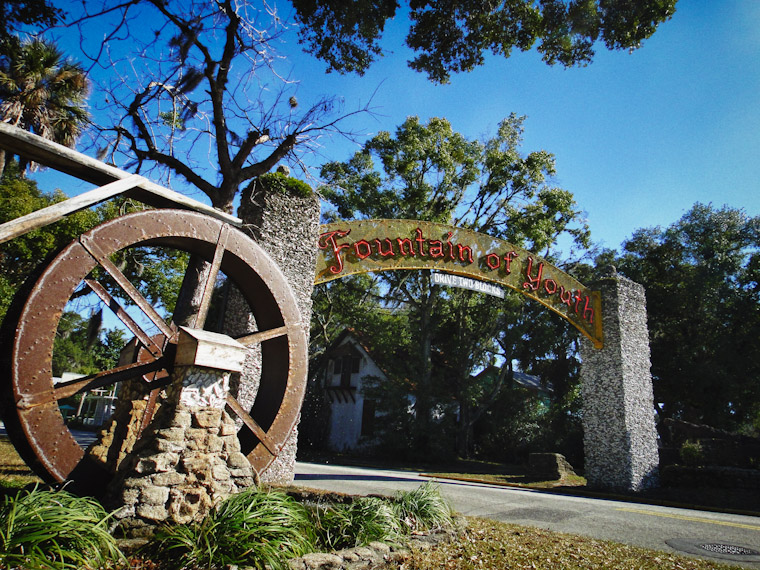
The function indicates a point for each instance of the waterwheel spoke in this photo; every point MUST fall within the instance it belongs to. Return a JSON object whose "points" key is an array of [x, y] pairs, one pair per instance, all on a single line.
{"points": [[208, 288], [251, 424], [124, 317], [261, 336], [101, 257], [150, 408], [92, 382]]}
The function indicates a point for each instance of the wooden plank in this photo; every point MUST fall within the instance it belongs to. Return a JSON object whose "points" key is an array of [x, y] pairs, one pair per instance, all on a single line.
{"points": [[251, 424], [74, 163], [259, 337], [55, 212]]}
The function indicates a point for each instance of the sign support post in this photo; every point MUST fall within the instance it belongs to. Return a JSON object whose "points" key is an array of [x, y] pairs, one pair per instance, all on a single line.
{"points": [[619, 434]]}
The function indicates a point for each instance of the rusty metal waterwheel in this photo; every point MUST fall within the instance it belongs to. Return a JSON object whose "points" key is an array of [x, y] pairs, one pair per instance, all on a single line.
{"points": [[30, 398]]}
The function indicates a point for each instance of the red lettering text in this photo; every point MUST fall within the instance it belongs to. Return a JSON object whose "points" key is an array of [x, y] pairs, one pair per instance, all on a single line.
{"points": [[533, 283], [327, 240], [362, 249]]}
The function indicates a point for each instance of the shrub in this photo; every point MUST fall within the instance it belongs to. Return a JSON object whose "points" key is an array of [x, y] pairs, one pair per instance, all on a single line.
{"points": [[255, 528], [55, 530], [692, 453], [365, 520], [424, 508]]}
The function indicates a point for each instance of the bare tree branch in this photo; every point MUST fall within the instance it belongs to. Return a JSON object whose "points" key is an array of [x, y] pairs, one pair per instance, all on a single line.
{"points": [[202, 81]]}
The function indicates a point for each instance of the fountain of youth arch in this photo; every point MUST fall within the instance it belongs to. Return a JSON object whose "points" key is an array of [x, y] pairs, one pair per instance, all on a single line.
{"points": [[620, 439]]}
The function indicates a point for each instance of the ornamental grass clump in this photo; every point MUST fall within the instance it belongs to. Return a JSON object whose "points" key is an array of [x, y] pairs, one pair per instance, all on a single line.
{"points": [[365, 520], [423, 509], [262, 529], [55, 530]]}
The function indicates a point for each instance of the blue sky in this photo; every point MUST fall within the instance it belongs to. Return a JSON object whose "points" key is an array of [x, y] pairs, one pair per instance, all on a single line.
{"points": [[638, 137]]}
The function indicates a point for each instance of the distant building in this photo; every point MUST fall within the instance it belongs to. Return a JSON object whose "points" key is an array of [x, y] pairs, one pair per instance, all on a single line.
{"points": [[352, 414], [95, 407], [531, 383]]}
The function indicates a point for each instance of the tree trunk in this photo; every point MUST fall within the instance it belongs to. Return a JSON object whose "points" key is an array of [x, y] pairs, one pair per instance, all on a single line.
{"points": [[423, 405], [191, 292], [464, 430]]}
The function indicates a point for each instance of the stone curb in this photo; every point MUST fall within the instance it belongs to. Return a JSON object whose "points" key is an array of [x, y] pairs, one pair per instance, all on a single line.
{"points": [[376, 555]]}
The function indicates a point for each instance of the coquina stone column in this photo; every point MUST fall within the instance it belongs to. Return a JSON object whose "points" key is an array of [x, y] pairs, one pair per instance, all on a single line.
{"points": [[282, 215], [620, 437]]}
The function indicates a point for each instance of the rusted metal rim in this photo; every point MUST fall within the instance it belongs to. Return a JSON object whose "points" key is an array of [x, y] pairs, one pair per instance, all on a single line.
{"points": [[31, 410]]}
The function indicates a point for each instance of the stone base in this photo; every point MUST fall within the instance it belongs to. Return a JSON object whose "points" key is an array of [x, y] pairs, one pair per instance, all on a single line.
{"points": [[183, 471], [282, 470]]}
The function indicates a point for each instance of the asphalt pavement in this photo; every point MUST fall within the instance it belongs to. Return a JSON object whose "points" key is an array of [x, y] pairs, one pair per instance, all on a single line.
{"points": [[726, 537]]}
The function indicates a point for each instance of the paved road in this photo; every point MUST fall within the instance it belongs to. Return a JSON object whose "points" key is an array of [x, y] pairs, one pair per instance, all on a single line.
{"points": [[642, 525], [84, 438]]}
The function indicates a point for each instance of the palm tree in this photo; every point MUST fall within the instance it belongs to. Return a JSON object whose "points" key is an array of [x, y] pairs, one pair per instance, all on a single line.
{"points": [[42, 92]]}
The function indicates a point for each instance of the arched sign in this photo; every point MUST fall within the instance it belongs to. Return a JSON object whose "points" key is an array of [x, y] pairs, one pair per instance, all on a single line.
{"points": [[363, 246]]}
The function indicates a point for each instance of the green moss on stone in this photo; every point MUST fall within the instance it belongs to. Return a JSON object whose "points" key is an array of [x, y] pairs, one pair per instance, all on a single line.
{"points": [[279, 182]]}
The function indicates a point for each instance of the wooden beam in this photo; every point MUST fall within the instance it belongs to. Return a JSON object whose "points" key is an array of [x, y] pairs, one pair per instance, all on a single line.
{"points": [[74, 163], [55, 212]]}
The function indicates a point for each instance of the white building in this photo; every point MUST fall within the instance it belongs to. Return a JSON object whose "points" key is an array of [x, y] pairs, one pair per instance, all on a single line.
{"points": [[352, 415], [95, 406]]}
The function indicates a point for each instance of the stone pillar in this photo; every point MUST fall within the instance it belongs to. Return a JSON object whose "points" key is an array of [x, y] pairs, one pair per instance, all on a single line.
{"points": [[620, 437], [192, 460], [282, 215]]}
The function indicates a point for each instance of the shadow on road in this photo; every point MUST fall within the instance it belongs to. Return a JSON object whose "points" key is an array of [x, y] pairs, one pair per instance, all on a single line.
{"points": [[351, 477]]}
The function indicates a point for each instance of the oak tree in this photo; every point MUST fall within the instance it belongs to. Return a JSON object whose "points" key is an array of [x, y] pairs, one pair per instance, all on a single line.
{"points": [[429, 172], [702, 280], [455, 35]]}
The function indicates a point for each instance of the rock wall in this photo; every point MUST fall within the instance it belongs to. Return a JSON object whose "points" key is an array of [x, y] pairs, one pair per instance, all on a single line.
{"points": [[184, 470], [286, 225], [620, 438]]}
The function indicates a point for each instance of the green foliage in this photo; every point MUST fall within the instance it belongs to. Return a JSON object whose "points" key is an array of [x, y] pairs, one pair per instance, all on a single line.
{"points": [[362, 521], [442, 337], [285, 184], [369, 519], [691, 453], [42, 92], [20, 256], [80, 347], [423, 508], [55, 530], [701, 276], [454, 36], [157, 272], [254, 528], [429, 172], [19, 13]]}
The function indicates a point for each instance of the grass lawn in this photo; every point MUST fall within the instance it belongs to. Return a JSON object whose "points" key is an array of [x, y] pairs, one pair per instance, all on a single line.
{"points": [[513, 479], [14, 474], [489, 545]]}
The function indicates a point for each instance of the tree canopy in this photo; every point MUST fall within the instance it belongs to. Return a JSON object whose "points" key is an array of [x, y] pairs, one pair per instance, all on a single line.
{"points": [[455, 35], [702, 280], [428, 171], [20, 256], [21, 13]]}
